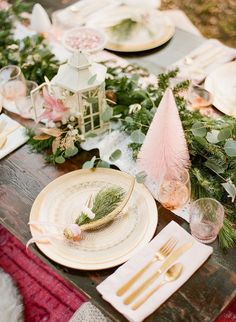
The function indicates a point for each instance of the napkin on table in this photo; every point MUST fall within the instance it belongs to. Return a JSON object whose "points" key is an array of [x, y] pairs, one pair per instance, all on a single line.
{"points": [[191, 260], [14, 139], [203, 60]]}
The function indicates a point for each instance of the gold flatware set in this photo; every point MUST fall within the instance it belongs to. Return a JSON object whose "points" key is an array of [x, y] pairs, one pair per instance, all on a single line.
{"points": [[172, 273]]}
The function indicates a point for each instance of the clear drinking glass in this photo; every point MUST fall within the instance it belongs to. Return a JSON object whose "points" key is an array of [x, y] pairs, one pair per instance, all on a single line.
{"points": [[12, 82], [206, 219], [174, 191], [24, 103]]}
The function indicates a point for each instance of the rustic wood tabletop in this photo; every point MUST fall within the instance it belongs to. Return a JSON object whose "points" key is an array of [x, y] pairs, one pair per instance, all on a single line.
{"points": [[24, 174]]}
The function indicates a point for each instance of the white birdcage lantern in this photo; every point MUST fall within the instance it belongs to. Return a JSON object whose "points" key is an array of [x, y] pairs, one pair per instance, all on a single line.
{"points": [[80, 86]]}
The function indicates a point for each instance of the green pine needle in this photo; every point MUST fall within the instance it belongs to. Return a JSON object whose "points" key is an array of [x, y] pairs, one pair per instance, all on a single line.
{"points": [[38, 145], [123, 29], [227, 235], [106, 200]]}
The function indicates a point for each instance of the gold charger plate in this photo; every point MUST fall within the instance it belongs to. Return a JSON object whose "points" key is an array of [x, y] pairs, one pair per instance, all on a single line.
{"points": [[60, 203], [162, 29]]}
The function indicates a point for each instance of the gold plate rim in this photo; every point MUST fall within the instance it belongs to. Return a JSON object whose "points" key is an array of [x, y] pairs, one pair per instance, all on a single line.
{"points": [[170, 31]]}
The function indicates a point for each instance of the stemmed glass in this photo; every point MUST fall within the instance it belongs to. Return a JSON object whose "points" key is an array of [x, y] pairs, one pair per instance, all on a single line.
{"points": [[12, 83], [174, 190]]}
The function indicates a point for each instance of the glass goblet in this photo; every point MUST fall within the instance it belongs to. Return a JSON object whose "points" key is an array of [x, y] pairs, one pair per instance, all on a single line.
{"points": [[12, 82], [24, 103], [206, 219], [174, 191]]}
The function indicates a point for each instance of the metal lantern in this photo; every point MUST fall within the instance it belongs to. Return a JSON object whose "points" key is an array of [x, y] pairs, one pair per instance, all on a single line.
{"points": [[80, 86]]}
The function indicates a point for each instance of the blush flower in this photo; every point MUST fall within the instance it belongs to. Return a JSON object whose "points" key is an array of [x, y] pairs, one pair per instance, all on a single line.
{"points": [[55, 110]]}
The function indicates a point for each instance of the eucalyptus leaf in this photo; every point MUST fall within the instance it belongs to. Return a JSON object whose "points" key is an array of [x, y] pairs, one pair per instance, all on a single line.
{"points": [[212, 137], [230, 189], [107, 114], [60, 159], [70, 152], [103, 164], [224, 134], [137, 136], [129, 120], [230, 148], [115, 155], [198, 129], [92, 79], [141, 177], [89, 164]]}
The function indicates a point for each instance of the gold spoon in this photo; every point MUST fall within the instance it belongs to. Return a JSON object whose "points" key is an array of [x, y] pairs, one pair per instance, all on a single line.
{"points": [[171, 275], [3, 135]]}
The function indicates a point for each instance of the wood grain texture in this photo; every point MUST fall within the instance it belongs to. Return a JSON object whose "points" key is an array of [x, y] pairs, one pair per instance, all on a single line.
{"points": [[23, 175]]}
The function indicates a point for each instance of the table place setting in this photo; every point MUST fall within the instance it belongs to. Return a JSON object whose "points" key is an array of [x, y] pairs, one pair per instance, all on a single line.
{"points": [[142, 297]]}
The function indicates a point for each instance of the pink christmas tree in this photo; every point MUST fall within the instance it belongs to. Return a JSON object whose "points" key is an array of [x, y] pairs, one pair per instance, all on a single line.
{"points": [[164, 151]]}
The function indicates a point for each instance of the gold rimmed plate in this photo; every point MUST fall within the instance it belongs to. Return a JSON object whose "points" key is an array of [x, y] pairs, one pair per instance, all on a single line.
{"points": [[156, 29], [60, 203]]}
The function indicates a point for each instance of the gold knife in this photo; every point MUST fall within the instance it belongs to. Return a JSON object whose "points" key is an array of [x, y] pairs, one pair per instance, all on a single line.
{"points": [[175, 255]]}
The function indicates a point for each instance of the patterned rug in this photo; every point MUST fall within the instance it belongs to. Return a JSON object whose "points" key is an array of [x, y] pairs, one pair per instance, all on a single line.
{"points": [[47, 297]]}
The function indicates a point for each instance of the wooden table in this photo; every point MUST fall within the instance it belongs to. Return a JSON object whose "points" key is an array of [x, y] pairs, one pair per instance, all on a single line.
{"points": [[23, 175]]}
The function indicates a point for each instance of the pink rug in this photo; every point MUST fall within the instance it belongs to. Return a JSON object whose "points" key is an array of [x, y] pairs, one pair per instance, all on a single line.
{"points": [[47, 296]]}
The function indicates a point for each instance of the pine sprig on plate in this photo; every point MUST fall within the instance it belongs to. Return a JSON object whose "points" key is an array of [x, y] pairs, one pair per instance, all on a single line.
{"points": [[123, 29], [105, 201]]}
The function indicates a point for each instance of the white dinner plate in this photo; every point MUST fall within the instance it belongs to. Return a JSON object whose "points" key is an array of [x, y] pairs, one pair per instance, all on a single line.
{"points": [[222, 84], [60, 203], [157, 31]]}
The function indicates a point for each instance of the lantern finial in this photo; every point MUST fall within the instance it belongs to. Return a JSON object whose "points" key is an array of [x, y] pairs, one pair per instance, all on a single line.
{"points": [[79, 60]]}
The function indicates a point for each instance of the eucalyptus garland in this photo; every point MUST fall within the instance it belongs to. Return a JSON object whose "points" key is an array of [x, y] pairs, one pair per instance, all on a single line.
{"points": [[211, 142]]}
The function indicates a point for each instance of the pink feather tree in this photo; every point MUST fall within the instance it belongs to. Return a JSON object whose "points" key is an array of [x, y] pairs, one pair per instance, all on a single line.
{"points": [[164, 151]]}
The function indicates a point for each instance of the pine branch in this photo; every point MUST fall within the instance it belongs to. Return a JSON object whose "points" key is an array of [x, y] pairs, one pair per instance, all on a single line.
{"points": [[104, 203], [227, 235], [38, 145]]}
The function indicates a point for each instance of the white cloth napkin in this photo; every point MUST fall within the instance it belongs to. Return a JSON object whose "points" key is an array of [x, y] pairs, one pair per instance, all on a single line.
{"points": [[14, 139], [191, 260], [203, 60]]}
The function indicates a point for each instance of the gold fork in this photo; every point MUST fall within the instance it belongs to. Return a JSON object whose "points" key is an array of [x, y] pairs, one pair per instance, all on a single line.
{"points": [[162, 253]]}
